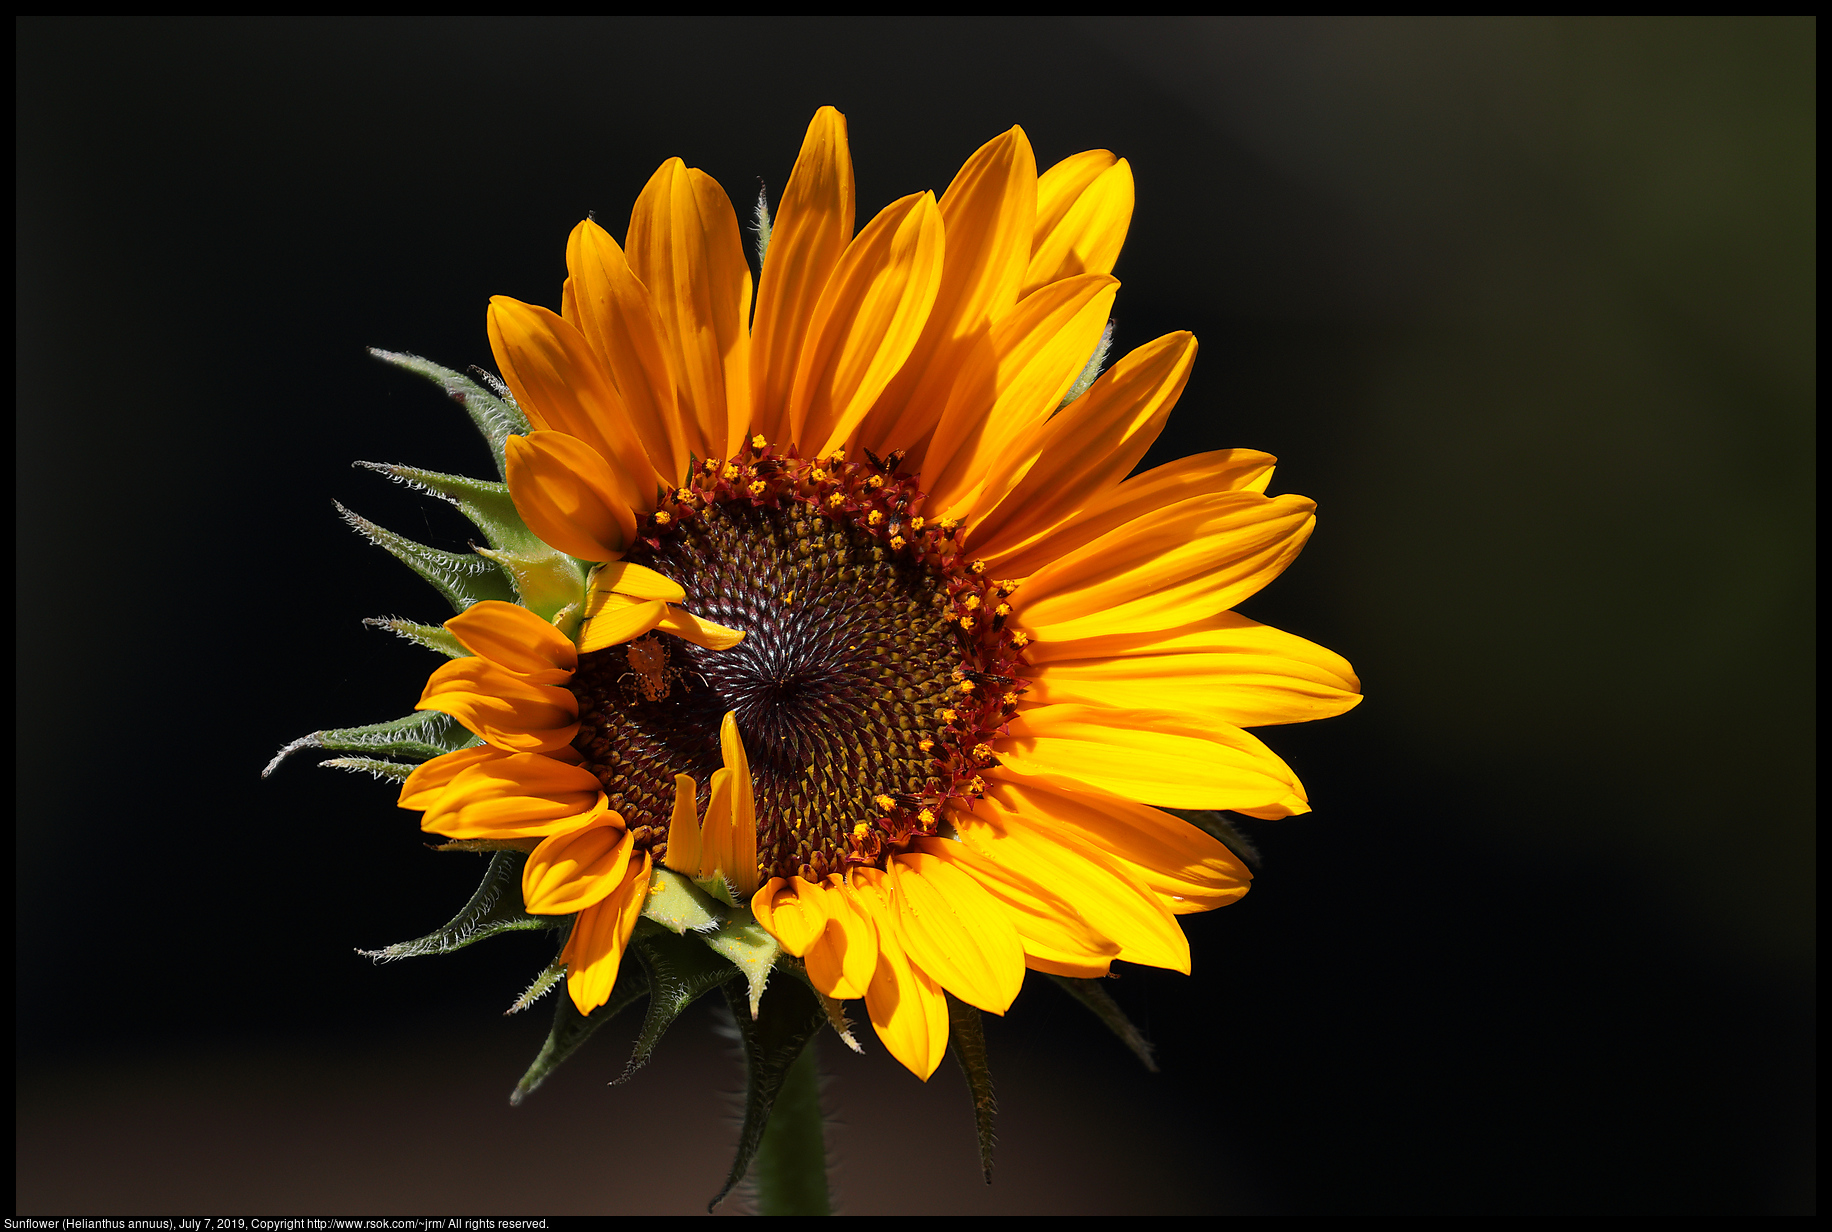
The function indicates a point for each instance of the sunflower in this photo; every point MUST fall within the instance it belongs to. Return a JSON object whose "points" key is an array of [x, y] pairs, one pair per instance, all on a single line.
{"points": [[880, 640]]}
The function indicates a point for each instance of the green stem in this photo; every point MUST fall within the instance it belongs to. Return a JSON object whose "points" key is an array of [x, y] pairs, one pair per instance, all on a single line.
{"points": [[792, 1159]]}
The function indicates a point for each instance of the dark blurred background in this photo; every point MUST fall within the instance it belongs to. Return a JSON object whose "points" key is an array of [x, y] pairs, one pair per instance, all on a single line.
{"points": [[1526, 306]]}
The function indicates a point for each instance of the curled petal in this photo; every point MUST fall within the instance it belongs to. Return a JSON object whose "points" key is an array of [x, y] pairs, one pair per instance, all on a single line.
{"points": [[569, 495], [612, 619], [502, 707], [793, 910], [574, 869], [685, 624], [683, 854], [742, 871], [521, 795], [516, 640], [907, 1007], [637, 581], [1081, 218], [594, 951], [841, 960], [430, 778]]}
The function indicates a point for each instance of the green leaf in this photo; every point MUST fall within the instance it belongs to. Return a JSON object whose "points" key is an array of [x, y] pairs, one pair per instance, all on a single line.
{"points": [[495, 908], [680, 972], [433, 637], [1091, 994], [967, 1041], [463, 580], [792, 1158], [1218, 827], [420, 736], [790, 1017], [677, 906], [750, 948], [495, 413], [571, 1028]]}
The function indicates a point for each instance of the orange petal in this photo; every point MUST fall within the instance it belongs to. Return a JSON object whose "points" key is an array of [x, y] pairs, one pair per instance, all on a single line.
{"points": [[1086, 237], [637, 582], [574, 869], [685, 624], [569, 495], [1168, 567], [594, 951], [1039, 349], [1159, 756], [1054, 936], [1188, 869], [561, 385], [955, 931], [868, 318], [907, 1007], [794, 911], [1106, 894], [430, 778], [841, 961], [684, 245], [987, 214], [716, 833], [742, 871], [1089, 446], [501, 707], [616, 315], [813, 225], [516, 640], [612, 619], [1228, 668], [1203, 474], [523, 795], [683, 855]]}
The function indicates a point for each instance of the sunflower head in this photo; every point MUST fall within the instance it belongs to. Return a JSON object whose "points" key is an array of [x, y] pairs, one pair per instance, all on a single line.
{"points": [[825, 648]]}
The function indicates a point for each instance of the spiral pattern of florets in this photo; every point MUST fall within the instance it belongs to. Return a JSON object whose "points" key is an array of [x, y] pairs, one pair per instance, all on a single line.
{"points": [[875, 671]]}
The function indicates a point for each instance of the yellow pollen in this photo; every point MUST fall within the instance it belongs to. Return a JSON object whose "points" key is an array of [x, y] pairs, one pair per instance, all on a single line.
{"points": [[897, 541], [971, 602], [978, 566], [684, 495], [884, 802], [818, 475], [948, 716], [874, 517], [982, 750], [711, 465], [663, 517], [1009, 699], [925, 745], [917, 523], [757, 442], [978, 784], [926, 817], [1004, 609], [1020, 640], [730, 471], [967, 622], [965, 686], [759, 487], [860, 830], [837, 458], [876, 481], [837, 499]]}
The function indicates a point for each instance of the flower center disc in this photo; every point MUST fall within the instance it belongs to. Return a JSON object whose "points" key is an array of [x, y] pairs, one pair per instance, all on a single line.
{"points": [[854, 687]]}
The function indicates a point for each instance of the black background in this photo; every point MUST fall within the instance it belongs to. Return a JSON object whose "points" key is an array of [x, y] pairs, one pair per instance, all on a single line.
{"points": [[1527, 307]]}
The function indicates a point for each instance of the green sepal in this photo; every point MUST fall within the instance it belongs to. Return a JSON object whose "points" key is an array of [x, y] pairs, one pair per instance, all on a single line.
{"points": [[716, 886], [749, 947], [967, 1041], [391, 771], [546, 581], [1090, 371], [495, 908], [1091, 994], [571, 1029], [433, 637], [835, 1009], [495, 413], [420, 736], [463, 580], [1223, 831], [680, 972], [543, 984], [677, 906], [791, 1163], [772, 1041]]}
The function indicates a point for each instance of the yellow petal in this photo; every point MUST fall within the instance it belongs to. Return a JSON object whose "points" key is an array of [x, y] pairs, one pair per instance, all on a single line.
{"points": [[594, 951], [1229, 668], [1054, 936], [637, 582], [1203, 474], [1106, 894], [612, 619], [1168, 567], [572, 870], [1089, 446], [561, 386], [429, 779], [1158, 756], [793, 911], [616, 315], [1040, 348], [1188, 869], [716, 833], [683, 855], [813, 225], [907, 1007], [515, 639], [569, 495], [955, 931], [501, 707], [1062, 185], [868, 318], [1087, 237], [684, 245], [685, 624], [522, 795], [742, 871], [987, 214], [841, 961]]}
